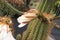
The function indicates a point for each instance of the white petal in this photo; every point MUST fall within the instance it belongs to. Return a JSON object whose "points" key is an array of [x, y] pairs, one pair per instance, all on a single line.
{"points": [[21, 25], [30, 14], [23, 19]]}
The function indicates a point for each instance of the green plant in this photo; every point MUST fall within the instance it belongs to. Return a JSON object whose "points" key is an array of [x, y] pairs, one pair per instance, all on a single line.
{"points": [[18, 37], [7, 9], [40, 27]]}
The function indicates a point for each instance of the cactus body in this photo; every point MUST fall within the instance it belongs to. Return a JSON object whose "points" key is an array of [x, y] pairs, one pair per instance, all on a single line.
{"points": [[7, 9], [40, 29]]}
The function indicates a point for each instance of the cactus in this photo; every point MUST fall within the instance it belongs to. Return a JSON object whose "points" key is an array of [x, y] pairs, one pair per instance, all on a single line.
{"points": [[18, 37], [26, 33], [57, 8], [36, 33], [41, 28], [7, 9], [33, 31]]}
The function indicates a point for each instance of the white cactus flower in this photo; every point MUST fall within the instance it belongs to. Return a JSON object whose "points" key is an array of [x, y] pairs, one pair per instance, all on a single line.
{"points": [[26, 17]]}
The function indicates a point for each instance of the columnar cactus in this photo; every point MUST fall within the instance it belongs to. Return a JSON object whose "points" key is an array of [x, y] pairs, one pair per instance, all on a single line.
{"points": [[7, 9], [40, 27]]}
